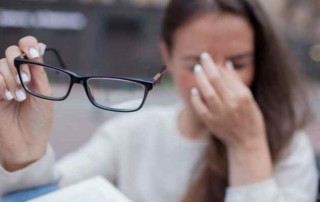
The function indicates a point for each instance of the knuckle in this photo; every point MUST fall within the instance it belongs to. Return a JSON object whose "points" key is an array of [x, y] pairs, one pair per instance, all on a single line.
{"points": [[241, 99], [234, 106], [200, 112], [245, 96], [210, 96], [205, 115], [208, 122], [213, 77]]}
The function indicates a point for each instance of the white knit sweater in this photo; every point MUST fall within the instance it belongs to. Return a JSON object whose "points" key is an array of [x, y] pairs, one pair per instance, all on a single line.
{"points": [[148, 159]]}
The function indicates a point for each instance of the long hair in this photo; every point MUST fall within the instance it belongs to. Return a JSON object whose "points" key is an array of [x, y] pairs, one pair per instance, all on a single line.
{"points": [[276, 88]]}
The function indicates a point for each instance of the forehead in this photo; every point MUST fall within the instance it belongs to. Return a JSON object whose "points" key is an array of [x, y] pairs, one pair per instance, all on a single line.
{"points": [[216, 33]]}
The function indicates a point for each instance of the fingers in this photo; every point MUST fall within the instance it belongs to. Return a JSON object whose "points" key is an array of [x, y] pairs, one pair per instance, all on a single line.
{"points": [[232, 75], [33, 49], [42, 48], [209, 66], [217, 86], [208, 92], [25, 70], [8, 85], [30, 46], [200, 107], [216, 75], [11, 53], [5, 92], [26, 74], [10, 81], [40, 80], [13, 80]]}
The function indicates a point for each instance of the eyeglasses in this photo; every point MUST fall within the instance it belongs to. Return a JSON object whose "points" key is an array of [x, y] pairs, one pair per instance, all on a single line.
{"points": [[119, 94]]}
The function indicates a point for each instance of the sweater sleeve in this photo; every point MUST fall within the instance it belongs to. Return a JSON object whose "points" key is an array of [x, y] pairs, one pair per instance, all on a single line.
{"points": [[36, 174], [295, 178], [96, 157]]}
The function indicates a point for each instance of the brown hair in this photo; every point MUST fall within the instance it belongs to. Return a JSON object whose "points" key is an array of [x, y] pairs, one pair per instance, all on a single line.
{"points": [[276, 88]]}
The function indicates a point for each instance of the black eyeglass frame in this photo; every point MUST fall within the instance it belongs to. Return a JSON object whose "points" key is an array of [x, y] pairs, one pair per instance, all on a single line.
{"points": [[75, 78]]}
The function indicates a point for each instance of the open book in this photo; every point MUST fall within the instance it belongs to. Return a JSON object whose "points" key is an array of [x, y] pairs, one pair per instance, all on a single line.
{"points": [[96, 189]]}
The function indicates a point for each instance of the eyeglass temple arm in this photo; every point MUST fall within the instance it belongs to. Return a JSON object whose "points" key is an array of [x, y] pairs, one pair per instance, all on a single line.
{"points": [[156, 79], [58, 56]]}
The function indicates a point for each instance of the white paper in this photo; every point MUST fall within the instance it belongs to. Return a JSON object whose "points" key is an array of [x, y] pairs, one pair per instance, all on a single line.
{"points": [[93, 190]]}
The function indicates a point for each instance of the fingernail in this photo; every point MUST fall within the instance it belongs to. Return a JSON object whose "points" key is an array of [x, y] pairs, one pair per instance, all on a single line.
{"points": [[24, 77], [8, 95], [33, 53], [42, 49], [194, 91], [204, 56], [230, 65], [21, 95], [197, 69]]}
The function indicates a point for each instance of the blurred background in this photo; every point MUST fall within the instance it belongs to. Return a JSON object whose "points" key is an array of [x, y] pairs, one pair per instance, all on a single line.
{"points": [[121, 37]]}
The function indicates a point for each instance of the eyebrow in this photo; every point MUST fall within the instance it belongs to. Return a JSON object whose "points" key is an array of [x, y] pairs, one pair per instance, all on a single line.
{"points": [[241, 56], [191, 58]]}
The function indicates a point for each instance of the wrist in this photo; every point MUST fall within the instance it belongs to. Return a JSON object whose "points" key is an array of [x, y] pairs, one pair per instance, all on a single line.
{"points": [[18, 162], [249, 163], [12, 167], [248, 149], [248, 143]]}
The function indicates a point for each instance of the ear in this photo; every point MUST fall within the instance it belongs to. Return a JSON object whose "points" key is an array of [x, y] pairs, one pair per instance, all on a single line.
{"points": [[165, 54]]}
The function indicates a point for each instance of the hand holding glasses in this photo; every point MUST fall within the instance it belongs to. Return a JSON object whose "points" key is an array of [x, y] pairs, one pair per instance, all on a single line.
{"points": [[117, 94]]}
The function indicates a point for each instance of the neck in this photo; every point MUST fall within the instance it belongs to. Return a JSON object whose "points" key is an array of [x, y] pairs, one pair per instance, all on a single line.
{"points": [[190, 125]]}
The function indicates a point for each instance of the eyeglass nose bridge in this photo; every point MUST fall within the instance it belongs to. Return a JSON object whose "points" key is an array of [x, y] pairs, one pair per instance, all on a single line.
{"points": [[78, 79]]}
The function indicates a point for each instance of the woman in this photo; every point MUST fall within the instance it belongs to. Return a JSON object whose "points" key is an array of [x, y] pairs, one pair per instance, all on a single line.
{"points": [[236, 137]]}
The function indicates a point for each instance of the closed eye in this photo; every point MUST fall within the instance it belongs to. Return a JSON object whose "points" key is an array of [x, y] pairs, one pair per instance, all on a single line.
{"points": [[239, 66], [189, 67], [242, 61]]}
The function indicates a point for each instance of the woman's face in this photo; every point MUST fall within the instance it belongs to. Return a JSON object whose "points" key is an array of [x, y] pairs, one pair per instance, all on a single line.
{"points": [[225, 37]]}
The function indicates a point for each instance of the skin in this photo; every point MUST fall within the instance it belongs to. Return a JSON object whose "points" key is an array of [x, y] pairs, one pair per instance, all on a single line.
{"points": [[222, 103]]}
